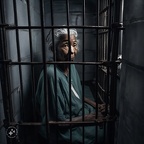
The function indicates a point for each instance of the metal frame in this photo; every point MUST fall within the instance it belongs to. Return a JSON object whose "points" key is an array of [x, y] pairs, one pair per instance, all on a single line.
{"points": [[106, 66]]}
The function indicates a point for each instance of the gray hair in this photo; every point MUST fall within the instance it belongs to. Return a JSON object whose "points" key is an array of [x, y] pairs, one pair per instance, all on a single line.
{"points": [[57, 33]]}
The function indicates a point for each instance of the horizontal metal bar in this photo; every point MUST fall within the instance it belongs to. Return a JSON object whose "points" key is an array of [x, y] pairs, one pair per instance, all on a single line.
{"points": [[52, 27], [5, 61], [3, 25], [63, 123], [105, 63], [50, 122]]}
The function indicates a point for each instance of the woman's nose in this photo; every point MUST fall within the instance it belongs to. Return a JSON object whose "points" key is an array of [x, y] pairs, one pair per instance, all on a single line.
{"points": [[72, 49]]}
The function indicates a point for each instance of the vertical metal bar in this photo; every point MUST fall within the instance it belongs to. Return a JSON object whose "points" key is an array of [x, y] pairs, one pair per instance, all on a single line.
{"points": [[52, 23], [83, 66], [44, 66], [121, 21], [97, 73], [67, 16], [55, 59], [113, 86], [96, 78], [114, 57], [108, 69], [109, 51], [29, 25], [31, 58], [19, 57], [2, 16]]}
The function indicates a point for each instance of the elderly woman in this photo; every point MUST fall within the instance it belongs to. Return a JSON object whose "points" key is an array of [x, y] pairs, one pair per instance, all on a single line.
{"points": [[59, 94]]}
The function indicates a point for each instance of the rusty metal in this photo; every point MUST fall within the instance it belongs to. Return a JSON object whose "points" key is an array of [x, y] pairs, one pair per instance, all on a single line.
{"points": [[99, 120]]}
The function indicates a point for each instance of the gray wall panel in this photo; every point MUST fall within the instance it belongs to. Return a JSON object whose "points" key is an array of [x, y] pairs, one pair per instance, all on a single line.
{"points": [[131, 112], [133, 43], [133, 10], [131, 92]]}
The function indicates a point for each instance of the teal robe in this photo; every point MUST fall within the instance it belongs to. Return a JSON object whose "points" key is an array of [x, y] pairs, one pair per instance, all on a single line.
{"points": [[61, 98]]}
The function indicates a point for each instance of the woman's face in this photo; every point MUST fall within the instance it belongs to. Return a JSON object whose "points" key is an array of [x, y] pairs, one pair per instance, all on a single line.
{"points": [[63, 48]]}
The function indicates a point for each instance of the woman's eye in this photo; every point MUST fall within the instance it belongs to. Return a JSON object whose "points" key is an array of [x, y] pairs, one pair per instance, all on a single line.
{"points": [[75, 45], [65, 45]]}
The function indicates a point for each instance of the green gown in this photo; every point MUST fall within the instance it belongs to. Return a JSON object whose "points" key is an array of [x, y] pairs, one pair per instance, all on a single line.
{"points": [[61, 98]]}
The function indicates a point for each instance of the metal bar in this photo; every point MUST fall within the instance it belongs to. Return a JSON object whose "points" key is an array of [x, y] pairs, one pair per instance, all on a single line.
{"points": [[44, 66], [108, 54], [105, 63], [113, 86], [70, 106], [31, 57], [96, 77], [63, 123], [121, 21], [108, 68], [19, 58], [55, 59], [3, 25], [103, 9], [83, 66], [50, 27], [30, 33]]}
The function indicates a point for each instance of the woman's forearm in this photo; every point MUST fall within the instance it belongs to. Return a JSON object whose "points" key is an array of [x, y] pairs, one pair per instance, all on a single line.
{"points": [[90, 102]]}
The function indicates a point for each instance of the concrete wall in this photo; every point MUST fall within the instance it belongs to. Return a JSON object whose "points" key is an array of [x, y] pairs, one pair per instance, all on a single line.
{"points": [[131, 122]]}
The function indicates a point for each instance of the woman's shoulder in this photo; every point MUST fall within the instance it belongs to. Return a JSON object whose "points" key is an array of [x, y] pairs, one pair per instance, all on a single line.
{"points": [[50, 70]]}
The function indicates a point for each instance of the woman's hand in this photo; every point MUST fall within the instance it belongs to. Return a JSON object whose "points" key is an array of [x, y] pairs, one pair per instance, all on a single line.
{"points": [[90, 117]]}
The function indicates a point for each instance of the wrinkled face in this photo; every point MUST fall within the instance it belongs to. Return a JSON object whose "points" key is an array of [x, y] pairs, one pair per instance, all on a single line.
{"points": [[63, 48]]}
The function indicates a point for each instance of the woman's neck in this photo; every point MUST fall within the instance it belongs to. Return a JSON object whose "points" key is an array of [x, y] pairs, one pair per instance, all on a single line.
{"points": [[64, 68]]}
